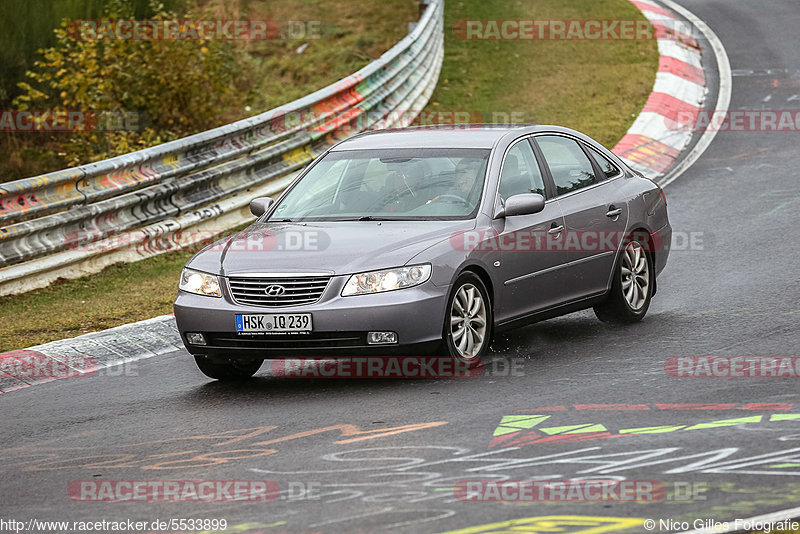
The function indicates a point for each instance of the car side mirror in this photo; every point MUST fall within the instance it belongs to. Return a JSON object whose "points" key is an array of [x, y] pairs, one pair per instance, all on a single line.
{"points": [[523, 204], [260, 205]]}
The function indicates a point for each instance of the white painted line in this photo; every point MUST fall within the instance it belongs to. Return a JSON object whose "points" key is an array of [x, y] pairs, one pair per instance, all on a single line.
{"points": [[723, 98], [774, 517]]}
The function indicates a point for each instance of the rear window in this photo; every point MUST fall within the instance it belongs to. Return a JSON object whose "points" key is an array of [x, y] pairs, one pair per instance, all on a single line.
{"points": [[609, 169]]}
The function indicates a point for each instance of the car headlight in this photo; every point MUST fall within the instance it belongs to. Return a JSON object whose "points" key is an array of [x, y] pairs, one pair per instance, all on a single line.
{"points": [[386, 280], [200, 283]]}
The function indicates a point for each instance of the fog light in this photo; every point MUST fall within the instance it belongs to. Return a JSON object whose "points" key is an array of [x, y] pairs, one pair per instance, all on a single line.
{"points": [[381, 338], [195, 338]]}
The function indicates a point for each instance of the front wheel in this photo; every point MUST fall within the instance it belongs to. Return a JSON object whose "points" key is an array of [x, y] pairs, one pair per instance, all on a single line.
{"points": [[630, 294], [228, 371], [469, 319]]}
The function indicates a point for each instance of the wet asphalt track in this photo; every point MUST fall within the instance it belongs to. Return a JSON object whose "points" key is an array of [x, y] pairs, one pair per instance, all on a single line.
{"points": [[737, 296]]}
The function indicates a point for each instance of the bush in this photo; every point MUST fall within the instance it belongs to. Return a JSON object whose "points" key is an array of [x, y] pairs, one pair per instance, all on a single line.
{"points": [[173, 88]]}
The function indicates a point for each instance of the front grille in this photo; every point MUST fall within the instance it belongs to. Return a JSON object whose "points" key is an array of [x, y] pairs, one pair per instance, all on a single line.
{"points": [[312, 340], [296, 291]]}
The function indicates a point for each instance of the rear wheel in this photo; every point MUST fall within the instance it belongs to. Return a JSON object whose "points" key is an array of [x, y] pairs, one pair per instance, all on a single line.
{"points": [[228, 371], [468, 321], [631, 288]]}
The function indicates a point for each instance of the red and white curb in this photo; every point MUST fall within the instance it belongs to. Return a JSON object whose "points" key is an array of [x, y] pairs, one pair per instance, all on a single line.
{"points": [[664, 127], [85, 355]]}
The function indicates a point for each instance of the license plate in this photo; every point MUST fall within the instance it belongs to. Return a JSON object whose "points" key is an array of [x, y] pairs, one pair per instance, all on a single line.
{"points": [[277, 323]]}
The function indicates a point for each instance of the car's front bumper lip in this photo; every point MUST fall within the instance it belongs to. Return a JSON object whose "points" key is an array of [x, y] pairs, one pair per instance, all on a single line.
{"points": [[416, 314]]}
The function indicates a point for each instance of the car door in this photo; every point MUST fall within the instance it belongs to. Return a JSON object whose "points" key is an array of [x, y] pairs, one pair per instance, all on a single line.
{"points": [[595, 213], [529, 273]]}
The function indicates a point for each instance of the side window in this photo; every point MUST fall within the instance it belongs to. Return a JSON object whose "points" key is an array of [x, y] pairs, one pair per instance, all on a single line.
{"points": [[608, 168], [520, 174], [570, 167]]}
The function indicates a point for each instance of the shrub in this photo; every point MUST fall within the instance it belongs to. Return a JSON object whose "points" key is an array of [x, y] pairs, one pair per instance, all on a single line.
{"points": [[173, 88]]}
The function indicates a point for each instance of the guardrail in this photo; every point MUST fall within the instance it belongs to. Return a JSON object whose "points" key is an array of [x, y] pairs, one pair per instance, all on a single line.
{"points": [[68, 223]]}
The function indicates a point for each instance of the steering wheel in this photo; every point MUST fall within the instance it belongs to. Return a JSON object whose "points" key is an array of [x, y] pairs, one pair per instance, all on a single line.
{"points": [[451, 196]]}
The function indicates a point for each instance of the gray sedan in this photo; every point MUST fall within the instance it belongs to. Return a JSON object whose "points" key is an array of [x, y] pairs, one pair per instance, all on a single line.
{"points": [[427, 241]]}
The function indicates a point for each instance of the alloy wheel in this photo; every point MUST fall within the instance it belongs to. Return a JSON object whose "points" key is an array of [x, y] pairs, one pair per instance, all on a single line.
{"points": [[635, 275], [468, 321]]}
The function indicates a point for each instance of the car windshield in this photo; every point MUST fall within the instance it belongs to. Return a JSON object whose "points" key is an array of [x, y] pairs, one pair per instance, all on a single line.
{"points": [[388, 184]]}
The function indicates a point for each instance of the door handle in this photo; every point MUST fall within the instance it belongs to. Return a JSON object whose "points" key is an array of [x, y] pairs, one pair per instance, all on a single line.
{"points": [[555, 230], [614, 212]]}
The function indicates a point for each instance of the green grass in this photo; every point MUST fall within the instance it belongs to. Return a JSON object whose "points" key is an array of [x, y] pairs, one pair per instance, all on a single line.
{"points": [[120, 294], [597, 87], [353, 33]]}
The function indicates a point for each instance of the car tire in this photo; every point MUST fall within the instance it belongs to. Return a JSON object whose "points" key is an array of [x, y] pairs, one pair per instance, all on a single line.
{"points": [[227, 371], [464, 324], [631, 287]]}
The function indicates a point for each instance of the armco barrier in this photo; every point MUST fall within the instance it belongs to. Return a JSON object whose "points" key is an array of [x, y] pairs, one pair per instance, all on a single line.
{"points": [[204, 182]]}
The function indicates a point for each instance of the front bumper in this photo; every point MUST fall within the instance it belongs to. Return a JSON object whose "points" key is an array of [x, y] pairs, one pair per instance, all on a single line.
{"points": [[340, 324]]}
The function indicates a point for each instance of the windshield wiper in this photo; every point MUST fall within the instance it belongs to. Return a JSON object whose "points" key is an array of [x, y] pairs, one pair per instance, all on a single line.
{"points": [[279, 220], [363, 218]]}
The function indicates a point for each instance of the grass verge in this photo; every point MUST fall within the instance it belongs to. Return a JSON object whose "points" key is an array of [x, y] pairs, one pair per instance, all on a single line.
{"points": [[120, 294], [597, 87]]}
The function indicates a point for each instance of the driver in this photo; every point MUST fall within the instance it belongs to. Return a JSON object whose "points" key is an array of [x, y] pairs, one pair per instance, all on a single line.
{"points": [[466, 173]]}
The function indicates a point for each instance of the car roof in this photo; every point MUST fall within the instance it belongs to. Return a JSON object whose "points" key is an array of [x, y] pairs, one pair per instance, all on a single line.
{"points": [[441, 136]]}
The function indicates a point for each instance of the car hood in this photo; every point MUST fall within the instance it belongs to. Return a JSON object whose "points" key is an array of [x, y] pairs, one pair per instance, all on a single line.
{"points": [[342, 247]]}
